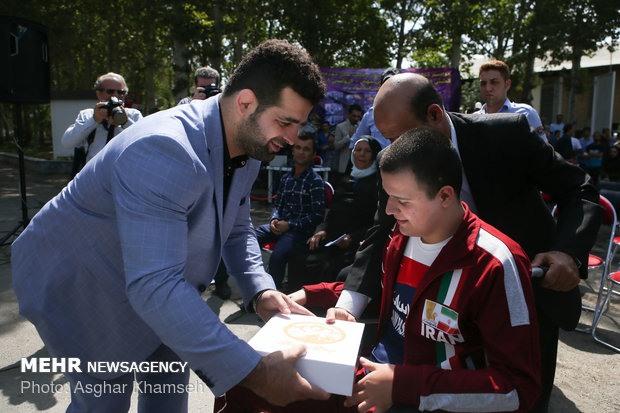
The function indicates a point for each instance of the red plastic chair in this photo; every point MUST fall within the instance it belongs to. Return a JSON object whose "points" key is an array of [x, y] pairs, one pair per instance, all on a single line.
{"points": [[601, 305], [329, 194], [596, 262]]}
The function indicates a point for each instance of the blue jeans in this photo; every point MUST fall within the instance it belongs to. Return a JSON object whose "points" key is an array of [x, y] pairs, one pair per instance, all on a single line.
{"points": [[282, 250]]}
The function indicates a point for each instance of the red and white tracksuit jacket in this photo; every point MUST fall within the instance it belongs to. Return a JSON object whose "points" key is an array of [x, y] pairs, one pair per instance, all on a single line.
{"points": [[471, 336]]}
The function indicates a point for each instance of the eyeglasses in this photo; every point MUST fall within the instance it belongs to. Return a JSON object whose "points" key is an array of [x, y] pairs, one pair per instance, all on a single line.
{"points": [[121, 92]]}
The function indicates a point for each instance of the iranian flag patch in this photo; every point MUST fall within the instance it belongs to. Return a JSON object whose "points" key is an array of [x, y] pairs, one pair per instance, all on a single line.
{"points": [[440, 317]]}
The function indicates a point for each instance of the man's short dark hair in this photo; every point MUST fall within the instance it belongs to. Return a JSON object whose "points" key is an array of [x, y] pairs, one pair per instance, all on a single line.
{"points": [[273, 65], [423, 97], [567, 128], [429, 155], [355, 106], [305, 135], [498, 65], [207, 72]]}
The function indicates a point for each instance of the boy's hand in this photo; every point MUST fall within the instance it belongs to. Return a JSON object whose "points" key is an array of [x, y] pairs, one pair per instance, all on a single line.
{"points": [[299, 296], [374, 390], [336, 313]]}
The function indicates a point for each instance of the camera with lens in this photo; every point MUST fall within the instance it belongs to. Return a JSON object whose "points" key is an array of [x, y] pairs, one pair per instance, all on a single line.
{"points": [[115, 111], [210, 90]]}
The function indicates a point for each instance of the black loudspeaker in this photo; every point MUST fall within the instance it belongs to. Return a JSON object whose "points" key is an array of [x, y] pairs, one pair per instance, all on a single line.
{"points": [[24, 61]]}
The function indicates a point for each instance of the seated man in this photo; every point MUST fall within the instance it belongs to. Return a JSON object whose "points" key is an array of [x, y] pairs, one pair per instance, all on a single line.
{"points": [[458, 328], [299, 207]]}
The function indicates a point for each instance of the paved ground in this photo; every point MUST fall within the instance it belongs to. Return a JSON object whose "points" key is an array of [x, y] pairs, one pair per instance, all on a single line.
{"points": [[586, 380]]}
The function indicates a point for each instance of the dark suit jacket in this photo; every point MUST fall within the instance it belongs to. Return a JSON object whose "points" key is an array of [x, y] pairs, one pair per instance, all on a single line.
{"points": [[507, 166]]}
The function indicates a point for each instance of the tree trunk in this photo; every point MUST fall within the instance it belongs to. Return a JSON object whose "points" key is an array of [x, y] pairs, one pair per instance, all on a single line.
{"points": [[400, 52], [455, 51], [239, 33], [216, 43], [572, 87], [181, 70], [528, 75]]}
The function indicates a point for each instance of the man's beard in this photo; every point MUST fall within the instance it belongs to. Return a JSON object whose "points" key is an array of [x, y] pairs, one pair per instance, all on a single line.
{"points": [[250, 136]]}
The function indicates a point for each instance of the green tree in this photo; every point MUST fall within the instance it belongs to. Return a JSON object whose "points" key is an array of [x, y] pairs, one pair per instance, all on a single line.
{"points": [[576, 30], [402, 17]]}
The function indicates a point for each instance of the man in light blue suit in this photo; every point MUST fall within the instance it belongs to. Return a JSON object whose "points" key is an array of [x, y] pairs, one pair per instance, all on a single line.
{"points": [[112, 268]]}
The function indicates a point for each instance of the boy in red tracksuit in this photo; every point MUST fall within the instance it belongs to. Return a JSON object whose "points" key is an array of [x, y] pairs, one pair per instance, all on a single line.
{"points": [[457, 328]]}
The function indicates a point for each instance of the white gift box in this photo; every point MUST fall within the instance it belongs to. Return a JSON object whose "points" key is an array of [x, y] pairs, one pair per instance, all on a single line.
{"points": [[332, 349]]}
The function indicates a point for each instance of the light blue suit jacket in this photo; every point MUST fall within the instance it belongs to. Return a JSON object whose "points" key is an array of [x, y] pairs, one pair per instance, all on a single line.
{"points": [[111, 267]]}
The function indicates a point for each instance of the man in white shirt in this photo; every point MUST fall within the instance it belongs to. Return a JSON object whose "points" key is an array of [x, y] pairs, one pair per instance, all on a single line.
{"points": [[494, 85], [94, 127], [558, 125]]}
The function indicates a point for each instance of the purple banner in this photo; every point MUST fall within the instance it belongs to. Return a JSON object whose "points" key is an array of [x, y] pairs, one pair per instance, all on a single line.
{"points": [[348, 86]]}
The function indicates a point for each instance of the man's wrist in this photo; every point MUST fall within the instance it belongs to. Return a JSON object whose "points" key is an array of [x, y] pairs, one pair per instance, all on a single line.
{"points": [[251, 380], [254, 302]]}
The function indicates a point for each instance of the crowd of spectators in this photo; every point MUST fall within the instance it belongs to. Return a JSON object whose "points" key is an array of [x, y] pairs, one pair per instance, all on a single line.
{"points": [[595, 152]]}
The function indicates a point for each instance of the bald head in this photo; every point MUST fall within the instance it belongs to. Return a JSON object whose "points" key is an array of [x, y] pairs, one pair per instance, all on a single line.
{"points": [[407, 101]]}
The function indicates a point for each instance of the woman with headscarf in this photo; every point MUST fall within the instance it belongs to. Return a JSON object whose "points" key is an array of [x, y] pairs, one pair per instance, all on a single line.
{"points": [[333, 245]]}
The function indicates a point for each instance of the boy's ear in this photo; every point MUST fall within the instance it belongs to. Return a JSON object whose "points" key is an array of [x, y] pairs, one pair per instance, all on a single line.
{"points": [[446, 194]]}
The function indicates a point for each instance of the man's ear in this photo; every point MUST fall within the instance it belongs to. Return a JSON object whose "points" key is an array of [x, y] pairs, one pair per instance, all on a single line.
{"points": [[434, 114], [246, 102], [508, 84]]}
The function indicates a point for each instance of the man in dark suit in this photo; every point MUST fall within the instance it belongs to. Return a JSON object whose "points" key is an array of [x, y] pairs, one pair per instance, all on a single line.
{"points": [[505, 167]]}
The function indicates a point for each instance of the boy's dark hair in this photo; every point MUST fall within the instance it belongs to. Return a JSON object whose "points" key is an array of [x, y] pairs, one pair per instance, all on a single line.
{"points": [[423, 97], [429, 155], [304, 136], [272, 66], [498, 65]]}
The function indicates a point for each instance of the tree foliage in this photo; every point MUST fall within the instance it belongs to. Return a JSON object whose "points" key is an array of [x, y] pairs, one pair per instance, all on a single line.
{"points": [[157, 44]]}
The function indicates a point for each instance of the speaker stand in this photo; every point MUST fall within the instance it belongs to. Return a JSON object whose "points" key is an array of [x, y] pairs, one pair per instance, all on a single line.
{"points": [[22, 179]]}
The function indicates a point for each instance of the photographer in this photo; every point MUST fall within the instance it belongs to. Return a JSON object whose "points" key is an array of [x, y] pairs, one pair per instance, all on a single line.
{"points": [[93, 128], [206, 84]]}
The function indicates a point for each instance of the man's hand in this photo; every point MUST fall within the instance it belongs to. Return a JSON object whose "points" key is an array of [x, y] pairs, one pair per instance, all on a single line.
{"points": [[272, 302], [336, 313], [374, 390], [276, 379], [282, 226], [345, 243], [101, 112], [563, 274], [199, 93], [315, 240], [278, 227]]}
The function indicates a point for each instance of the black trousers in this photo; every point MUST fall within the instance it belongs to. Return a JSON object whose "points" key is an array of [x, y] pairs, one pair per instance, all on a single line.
{"points": [[549, 335]]}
